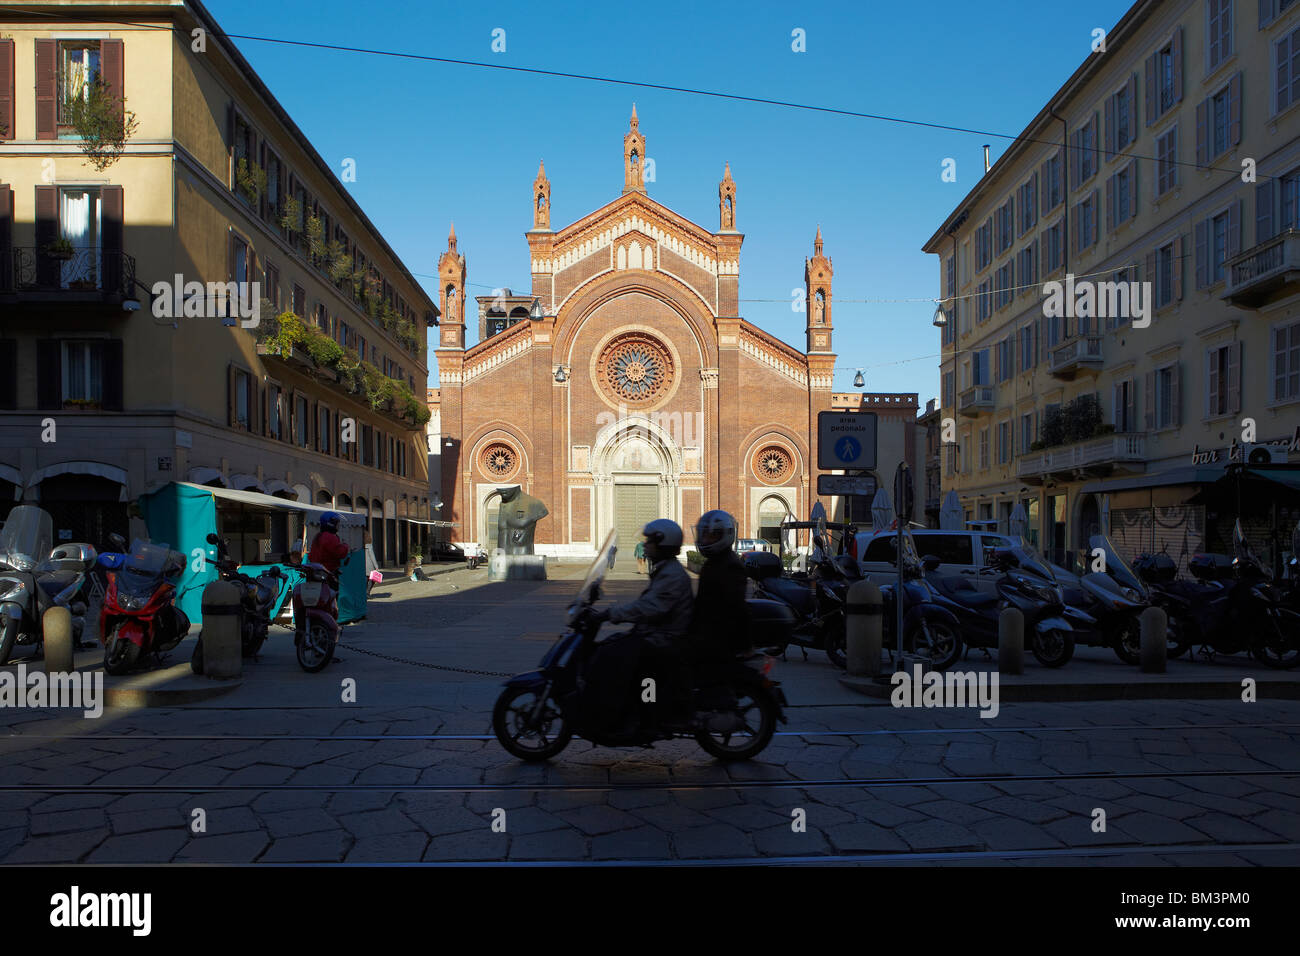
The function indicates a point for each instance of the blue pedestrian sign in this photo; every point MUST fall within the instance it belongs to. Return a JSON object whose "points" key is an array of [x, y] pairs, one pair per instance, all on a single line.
{"points": [[846, 441]]}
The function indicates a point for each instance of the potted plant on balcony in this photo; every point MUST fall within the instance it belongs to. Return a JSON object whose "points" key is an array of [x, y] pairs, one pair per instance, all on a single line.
{"points": [[60, 249], [251, 180], [81, 404]]}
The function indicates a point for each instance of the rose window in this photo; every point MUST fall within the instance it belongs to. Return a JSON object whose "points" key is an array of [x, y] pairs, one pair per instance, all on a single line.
{"points": [[636, 369], [500, 460], [773, 464]]}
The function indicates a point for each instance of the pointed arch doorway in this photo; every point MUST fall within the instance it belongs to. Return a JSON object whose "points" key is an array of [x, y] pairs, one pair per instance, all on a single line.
{"points": [[636, 469]]}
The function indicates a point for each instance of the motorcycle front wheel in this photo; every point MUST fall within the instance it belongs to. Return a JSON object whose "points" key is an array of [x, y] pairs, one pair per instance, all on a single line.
{"points": [[120, 654], [1053, 648], [315, 649], [8, 639], [741, 733], [1278, 645], [529, 725], [837, 644], [936, 640], [1128, 642]]}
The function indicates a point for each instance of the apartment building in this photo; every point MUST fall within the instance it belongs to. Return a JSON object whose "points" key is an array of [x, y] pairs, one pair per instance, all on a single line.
{"points": [[1171, 159], [118, 374]]}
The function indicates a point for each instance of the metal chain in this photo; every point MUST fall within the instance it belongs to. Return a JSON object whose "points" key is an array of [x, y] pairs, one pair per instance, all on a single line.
{"points": [[436, 667]]}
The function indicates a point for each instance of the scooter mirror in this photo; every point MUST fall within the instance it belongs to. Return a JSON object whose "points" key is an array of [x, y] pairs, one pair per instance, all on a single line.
{"points": [[930, 562], [213, 539], [117, 542]]}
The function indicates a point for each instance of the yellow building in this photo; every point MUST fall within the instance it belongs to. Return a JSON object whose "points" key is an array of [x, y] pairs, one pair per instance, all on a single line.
{"points": [[122, 369], [1170, 160]]}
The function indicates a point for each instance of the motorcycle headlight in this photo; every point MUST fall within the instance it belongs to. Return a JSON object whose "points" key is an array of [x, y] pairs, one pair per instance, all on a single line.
{"points": [[10, 588], [129, 602], [1131, 595]]}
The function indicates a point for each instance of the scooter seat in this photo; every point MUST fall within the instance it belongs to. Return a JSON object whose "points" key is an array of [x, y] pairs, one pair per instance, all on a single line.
{"points": [[962, 591], [52, 582]]}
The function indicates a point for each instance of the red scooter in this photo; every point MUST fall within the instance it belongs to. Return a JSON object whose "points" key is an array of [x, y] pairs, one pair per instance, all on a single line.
{"points": [[137, 615], [315, 617]]}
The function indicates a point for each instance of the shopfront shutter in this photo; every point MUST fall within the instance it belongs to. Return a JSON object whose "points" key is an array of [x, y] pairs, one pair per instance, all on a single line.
{"points": [[112, 72], [7, 90], [47, 89], [49, 373]]}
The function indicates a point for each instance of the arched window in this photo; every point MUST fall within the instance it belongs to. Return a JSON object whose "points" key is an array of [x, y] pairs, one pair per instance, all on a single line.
{"points": [[772, 510], [635, 158], [819, 307], [541, 201]]}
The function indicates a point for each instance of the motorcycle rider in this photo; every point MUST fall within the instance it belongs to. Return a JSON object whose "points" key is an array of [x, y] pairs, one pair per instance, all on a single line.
{"points": [[661, 618], [720, 623], [327, 548]]}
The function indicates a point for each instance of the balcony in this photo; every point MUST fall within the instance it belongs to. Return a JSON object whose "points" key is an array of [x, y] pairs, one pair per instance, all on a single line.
{"points": [[88, 275], [975, 401], [300, 362], [1258, 275], [1095, 458], [1082, 353]]}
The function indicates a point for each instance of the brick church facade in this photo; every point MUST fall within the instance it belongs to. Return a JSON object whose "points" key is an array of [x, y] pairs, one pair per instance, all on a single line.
{"points": [[636, 390]]}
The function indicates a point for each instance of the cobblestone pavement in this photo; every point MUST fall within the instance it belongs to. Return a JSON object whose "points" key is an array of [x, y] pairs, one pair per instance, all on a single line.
{"points": [[285, 771]]}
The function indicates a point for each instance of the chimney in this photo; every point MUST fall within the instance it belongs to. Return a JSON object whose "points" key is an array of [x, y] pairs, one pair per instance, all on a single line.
{"points": [[986, 157]]}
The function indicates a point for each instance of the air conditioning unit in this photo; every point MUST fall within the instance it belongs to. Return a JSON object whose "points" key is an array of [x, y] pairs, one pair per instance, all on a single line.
{"points": [[1265, 455]]}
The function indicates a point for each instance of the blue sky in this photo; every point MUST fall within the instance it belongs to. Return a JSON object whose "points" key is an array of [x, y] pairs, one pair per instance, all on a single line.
{"points": [[435, 143]]}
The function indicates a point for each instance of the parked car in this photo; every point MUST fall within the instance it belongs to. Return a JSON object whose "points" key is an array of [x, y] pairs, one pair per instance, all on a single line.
{"points": [[745, 545], [959, 552], [445, 551]]}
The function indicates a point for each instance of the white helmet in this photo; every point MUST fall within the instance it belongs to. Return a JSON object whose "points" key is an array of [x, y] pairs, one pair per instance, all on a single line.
{"points": [[715, 533], [663, 539]]}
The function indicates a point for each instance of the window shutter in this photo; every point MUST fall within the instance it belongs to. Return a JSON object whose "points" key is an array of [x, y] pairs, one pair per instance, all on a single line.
{"points": [[1149, 400], [1112, 219], [1212, 383], [1234, 109], [6, 237], [112, 72], [1234, 230], [1151, 88], [8, 373], [47, 88], [1132, 107], [1176, 54], [1117, 407], [1283, 74], [1130, 405], [1263, 212], [7, 90], [1110, 126], [1175, 394], [1133, 189], [47, 230], [1202, 254], [231, 404], [1177, 270], [1150, 269], [1266, 13], [1096, 210], [1234, 377], [230, 132], [1074, 160], [1202, 133], [113, 372], [49, 373], [111, 227], [1034, 265]]}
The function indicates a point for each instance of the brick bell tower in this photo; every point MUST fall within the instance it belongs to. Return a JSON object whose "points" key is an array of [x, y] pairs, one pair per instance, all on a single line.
{"points": [[451, 294], [817, 275], [633, 158], [727, 202], [451, 358]]}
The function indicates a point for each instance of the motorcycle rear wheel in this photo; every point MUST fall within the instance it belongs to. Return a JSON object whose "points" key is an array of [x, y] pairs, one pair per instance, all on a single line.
{"points": [[1278, 646], [837, 645], [315, 649], [937, 641], [8, 639], [521, 735], [752, 740], [1128, 642], [1053, 649], [120, 655]]}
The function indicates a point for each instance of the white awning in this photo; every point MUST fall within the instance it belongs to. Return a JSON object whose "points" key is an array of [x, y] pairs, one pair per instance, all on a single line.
{"points": [[431, 524], [275, 486], [111, 472], [202, 476], [255, 500], [247, 483]]}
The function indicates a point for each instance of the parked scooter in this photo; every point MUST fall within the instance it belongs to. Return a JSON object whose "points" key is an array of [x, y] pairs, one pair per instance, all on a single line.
{"points": [[35, 577], [1115, 596], [734, 717], [816, 599], [315, 617], [257, 596], [137, 616]]}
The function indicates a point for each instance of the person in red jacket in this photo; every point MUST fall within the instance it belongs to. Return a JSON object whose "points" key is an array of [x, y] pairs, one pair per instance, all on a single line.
{"points": [[327, 548]]}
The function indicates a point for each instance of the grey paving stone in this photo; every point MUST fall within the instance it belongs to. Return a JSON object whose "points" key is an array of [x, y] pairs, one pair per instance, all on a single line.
{"points": [[1005, 833], [61, 848], [639, 843], [639, 799], [326, 846], [70, 801], [882, 814], [243, 847], [783, 841], [1031, 811], [290, 823], [154, 846], [549, 845], [358, 801], [10, 838], [952, 811], [402, 847], [487, 801], [259, 774], [274, 800], [717, 841], [672, 817], [479, 844], [323, 775], [1232, 805], [376, 822], [64, 821], [1227, 829], [938, 835], [1284, 824], [1076, 830], [749, 817], [864, 838], [451, 820], [388, 774], [595, 820]]}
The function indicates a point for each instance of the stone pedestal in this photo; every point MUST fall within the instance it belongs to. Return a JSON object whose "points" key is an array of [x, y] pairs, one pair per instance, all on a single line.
{"points": [[517, 567]]}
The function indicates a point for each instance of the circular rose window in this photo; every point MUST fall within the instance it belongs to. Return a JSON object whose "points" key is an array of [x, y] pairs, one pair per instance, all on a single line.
{"points": [[636, 369], [773, 464], [500, 460]]}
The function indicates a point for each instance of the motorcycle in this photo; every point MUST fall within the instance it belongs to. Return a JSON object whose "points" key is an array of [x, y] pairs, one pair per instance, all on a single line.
{"points": [[137, 615], [35, 577], [315, 617], [256, 598], [815, 598], [1115, 596], [734, 714]]}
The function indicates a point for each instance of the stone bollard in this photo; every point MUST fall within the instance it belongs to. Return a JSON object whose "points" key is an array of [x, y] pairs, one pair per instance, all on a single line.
{"points": [[1011, 641], [222, 647], [1154, 625], [864, 624], [56, 626]]}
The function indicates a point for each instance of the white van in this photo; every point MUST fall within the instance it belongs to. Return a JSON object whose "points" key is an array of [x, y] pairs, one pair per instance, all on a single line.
{"points": [[959, 552]]}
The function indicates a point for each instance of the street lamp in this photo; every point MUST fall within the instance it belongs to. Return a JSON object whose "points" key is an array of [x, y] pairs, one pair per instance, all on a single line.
{"points": [[859, 381], [561, 375], [940, 318], [536, 312]]}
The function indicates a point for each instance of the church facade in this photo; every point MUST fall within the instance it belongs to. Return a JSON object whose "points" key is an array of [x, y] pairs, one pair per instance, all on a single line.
{"points": [[634, 389]]}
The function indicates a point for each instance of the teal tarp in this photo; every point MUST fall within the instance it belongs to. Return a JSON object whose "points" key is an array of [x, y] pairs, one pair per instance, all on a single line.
{"points": [[182, 516]]}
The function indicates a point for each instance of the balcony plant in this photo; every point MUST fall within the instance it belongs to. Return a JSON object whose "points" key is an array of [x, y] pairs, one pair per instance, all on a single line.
{"points": [[82, 404], [102, 121], [315, 233], [251, 180], [291, 217], [61, 248]]}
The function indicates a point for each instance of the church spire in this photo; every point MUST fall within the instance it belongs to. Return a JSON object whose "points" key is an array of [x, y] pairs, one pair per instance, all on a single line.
{"points": [[633, 157], [451, 239], [727, 202], [541, 199], [817, 276], [817, 243]]}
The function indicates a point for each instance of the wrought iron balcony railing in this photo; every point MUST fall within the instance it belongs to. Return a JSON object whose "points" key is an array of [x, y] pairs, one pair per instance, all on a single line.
{"points": [[86, 270]]}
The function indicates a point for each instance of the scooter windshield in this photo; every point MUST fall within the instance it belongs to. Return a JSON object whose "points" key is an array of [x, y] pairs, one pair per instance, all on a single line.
{"points": [[1031, 561], [27, 537], [143, 568], [1242, 551], [596, 573], [1116, 567]]}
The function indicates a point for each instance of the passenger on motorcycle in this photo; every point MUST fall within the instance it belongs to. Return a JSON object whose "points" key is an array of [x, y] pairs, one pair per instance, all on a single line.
{"points": [[661, 618], [720, 623]]}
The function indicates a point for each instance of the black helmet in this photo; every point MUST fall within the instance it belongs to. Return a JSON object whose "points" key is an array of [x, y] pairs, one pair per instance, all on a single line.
{"points": [[663, 539], [715, 533]]}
